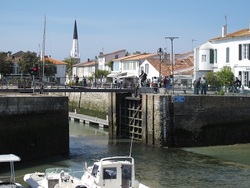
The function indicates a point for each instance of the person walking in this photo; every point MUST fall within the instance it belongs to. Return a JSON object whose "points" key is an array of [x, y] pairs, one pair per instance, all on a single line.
{"points": [[155, 84], [203, 85], [197, 85]]}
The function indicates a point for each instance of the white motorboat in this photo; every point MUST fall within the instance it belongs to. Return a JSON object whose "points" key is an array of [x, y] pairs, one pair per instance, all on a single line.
{"points": [[53, 178], [112, 172], [9, 181]]}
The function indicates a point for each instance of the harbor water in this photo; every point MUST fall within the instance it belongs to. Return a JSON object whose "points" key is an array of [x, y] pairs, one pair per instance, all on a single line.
{"points": [[218, 166]]}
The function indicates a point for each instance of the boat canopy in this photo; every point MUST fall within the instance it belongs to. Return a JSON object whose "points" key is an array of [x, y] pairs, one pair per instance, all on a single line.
{"points": [[9, 158]]}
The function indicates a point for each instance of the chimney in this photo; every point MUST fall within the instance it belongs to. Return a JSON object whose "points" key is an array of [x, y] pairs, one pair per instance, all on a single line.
{"points": [[224, 31]]}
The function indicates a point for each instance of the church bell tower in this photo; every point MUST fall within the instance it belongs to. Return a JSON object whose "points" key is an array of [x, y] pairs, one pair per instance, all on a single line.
{"points": [[75, 54]]}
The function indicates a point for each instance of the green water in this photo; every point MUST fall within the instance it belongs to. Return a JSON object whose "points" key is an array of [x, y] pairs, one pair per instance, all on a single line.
{"points": [[220, 166]]}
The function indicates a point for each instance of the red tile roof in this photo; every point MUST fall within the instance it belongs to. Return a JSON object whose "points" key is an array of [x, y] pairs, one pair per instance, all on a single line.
{"points": [[166, 67], [240, 33], [54, 61]]}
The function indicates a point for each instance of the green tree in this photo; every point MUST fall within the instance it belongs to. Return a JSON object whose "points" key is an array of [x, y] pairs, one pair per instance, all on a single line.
{"points": [[6, 66], [100, 74], [225, 76], [212, 79], [68, 60], [29, 59], [49, 69]]}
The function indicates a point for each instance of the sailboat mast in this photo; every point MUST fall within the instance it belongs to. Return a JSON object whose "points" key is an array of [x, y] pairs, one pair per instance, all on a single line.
{"points": [[43, 48]]}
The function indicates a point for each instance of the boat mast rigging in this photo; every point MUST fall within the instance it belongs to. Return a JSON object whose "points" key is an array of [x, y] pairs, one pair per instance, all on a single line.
{"points": [[43, 47]]}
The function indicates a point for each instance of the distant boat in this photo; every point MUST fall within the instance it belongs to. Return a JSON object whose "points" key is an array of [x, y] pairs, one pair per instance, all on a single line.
{"points": [[111, 172], [9, 181], [53, 178]]}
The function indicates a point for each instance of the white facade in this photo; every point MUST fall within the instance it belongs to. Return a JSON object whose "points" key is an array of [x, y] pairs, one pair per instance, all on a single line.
{"points": [[229, 50], [103, 59], [131, 65], [203, 59], [149, 69], [61, 73]]}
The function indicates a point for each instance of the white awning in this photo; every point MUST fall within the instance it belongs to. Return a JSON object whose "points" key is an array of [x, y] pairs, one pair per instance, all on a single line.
{"points": [[9, 158], [116, 75]]}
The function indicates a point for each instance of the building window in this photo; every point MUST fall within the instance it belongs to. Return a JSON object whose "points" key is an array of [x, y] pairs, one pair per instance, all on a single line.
{"points": [[142, 69], [116, 66], [227, 55], [215, 56], [203, 58], [244, 51], [146, 68]]}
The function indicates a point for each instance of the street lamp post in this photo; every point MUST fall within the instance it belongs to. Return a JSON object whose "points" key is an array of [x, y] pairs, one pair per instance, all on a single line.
{"points": [[172, 58], [160, 53]]}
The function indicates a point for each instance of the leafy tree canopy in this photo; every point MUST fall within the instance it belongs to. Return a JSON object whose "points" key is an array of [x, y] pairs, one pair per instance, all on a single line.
{"points": [[212, 79], [6, 66], [225, 76], [29, 59], [49, 69], [68, 60], [101, 73]]}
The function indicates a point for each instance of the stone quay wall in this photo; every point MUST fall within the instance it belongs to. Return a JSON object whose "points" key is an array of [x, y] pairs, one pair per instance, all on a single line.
{"points": [[212, 120], [90, 100], [192, 120], [34, 127]]}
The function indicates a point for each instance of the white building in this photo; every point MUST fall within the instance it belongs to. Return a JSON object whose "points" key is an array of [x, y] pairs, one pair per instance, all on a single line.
{"points": [[130, 66], [88, 68], [104, 59], [61, 67], [231, 50]]}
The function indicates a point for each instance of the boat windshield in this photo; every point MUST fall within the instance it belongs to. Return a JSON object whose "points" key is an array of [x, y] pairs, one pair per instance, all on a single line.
{"points": [[52, 171], [94, 170]]}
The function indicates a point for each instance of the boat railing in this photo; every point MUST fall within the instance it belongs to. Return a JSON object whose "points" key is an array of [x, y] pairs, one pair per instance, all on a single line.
{"points": [[119, 158], [5, 179]]}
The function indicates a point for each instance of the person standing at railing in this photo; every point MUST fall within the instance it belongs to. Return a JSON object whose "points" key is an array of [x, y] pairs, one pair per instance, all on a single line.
{"points": [[204, 85], [143, 77], [197, 85], [155, 84]]}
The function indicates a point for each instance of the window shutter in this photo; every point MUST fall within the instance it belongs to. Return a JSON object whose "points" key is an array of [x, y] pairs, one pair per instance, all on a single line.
{"points": [[227, 55], [240, 53], [211, 60]]}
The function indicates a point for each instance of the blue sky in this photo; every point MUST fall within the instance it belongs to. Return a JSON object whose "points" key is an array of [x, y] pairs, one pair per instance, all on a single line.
{"points": [[111, 25]]}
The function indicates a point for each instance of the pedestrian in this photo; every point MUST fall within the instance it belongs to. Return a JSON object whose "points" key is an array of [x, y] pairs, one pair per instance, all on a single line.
{"points": [[77, 80], [164, 81], [155, 84], [197, 85], [84, 81], [115, 83], [142, 78], [204, 85]]}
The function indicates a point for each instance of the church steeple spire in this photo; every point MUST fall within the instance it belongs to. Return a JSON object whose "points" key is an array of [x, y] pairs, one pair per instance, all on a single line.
{"points": [[75, 36], [75, 55]]}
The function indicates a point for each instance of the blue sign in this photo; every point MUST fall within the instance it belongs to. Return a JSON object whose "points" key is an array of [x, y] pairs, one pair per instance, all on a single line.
{"points": [[179, 99]]}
